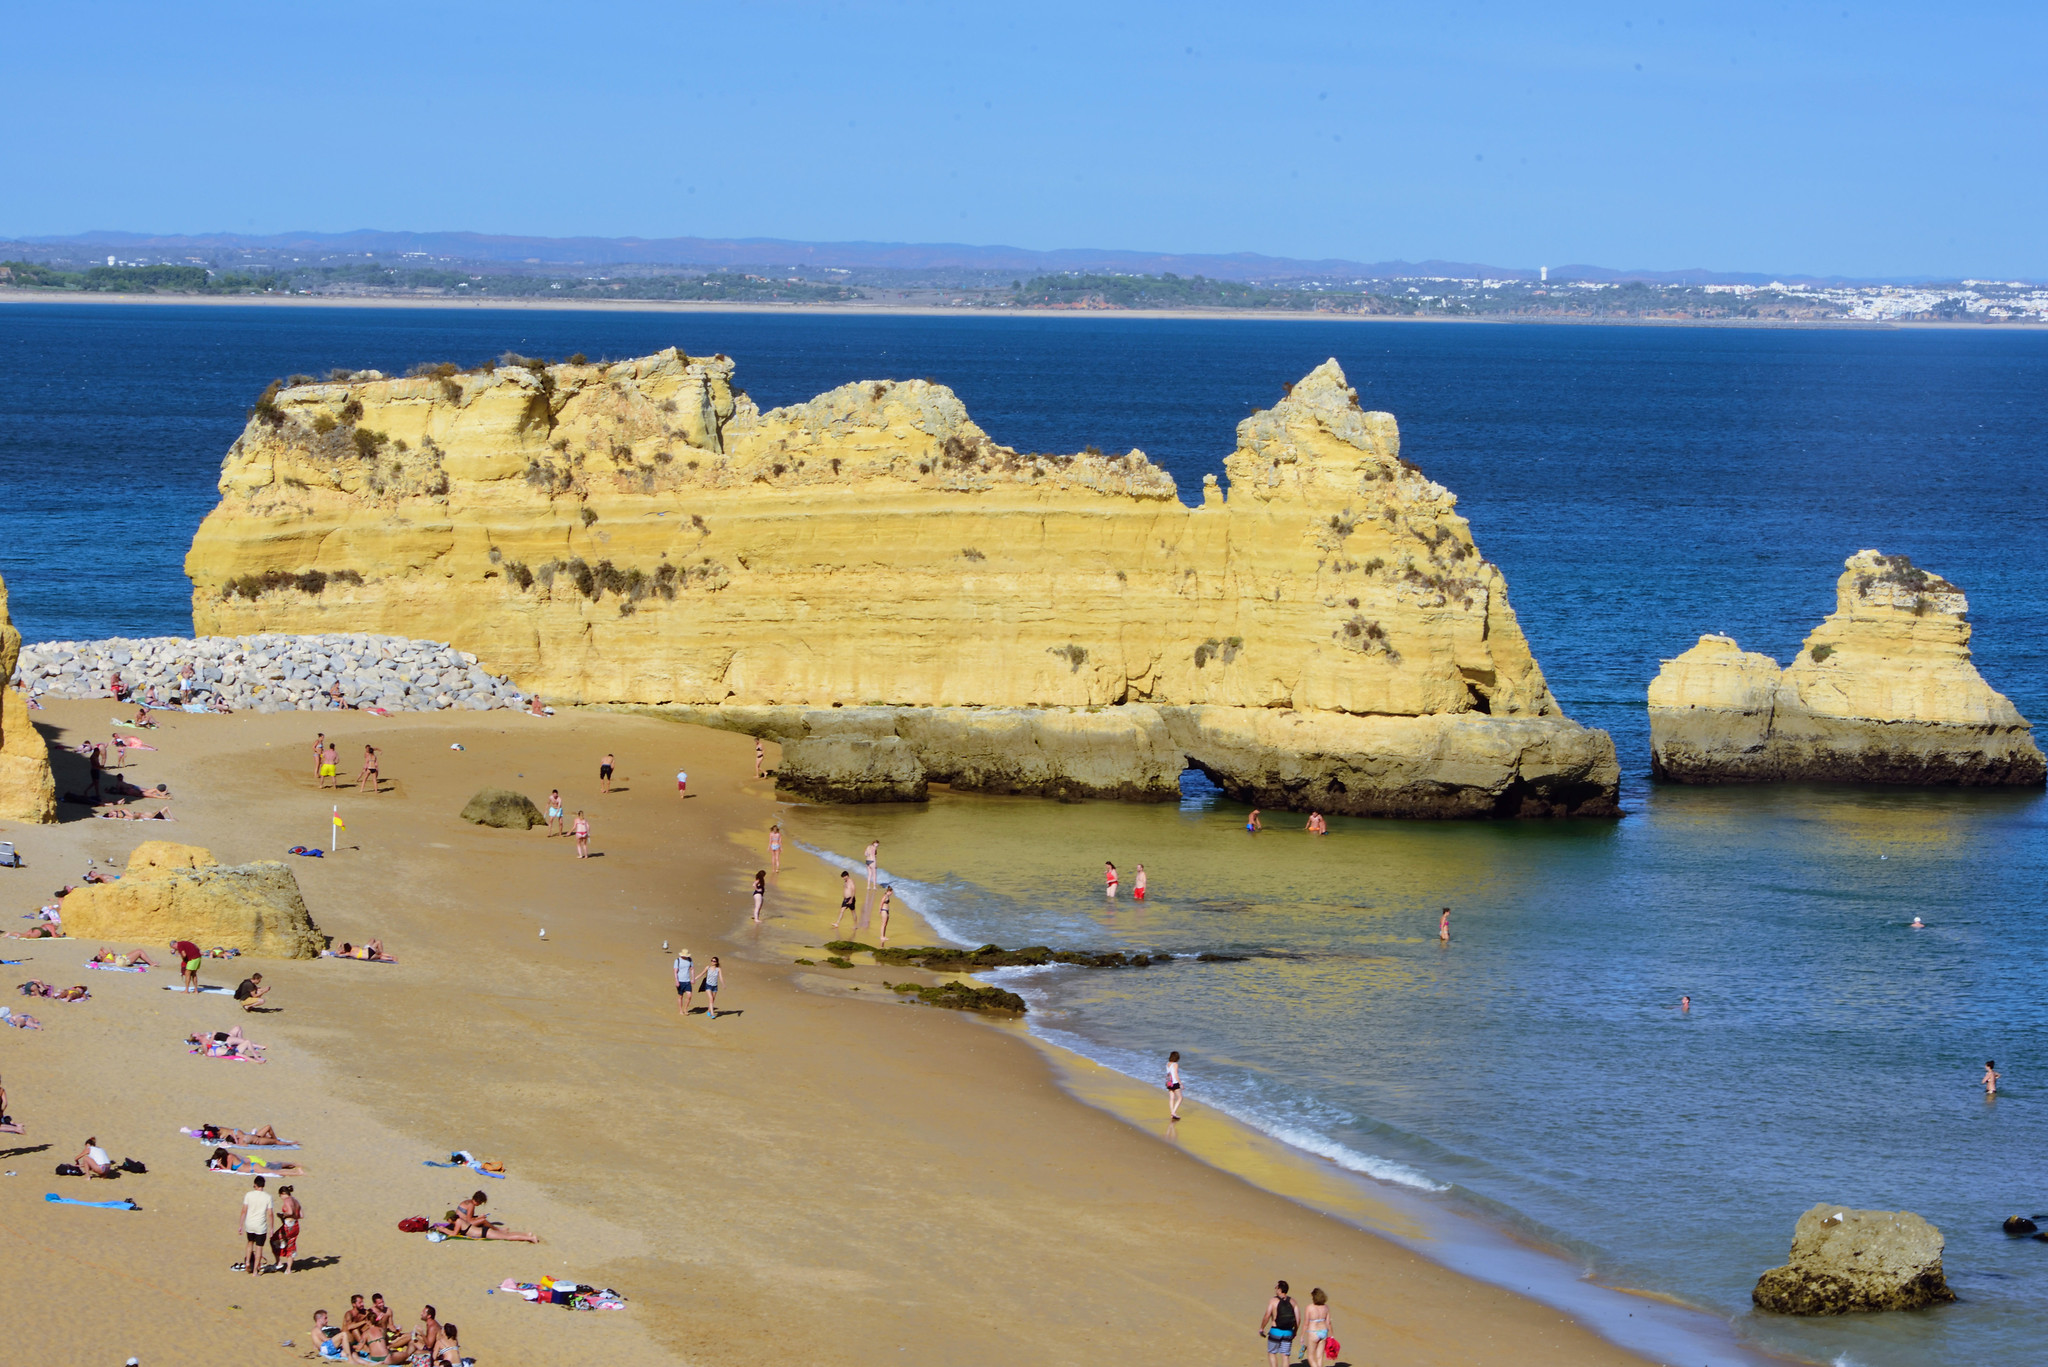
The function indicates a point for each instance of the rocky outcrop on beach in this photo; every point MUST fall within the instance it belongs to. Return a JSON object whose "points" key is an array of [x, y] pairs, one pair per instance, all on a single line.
{"points": [[640, 532], [1847, 1260], [27, 790], [172, 892], [1883, 691], [272, 673], [504, 809]]}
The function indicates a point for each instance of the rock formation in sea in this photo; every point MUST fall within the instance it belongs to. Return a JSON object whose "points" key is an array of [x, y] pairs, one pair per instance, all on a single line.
{"points": [[871, 578], [27, 790], [1846, 1260], [1883, 691]]}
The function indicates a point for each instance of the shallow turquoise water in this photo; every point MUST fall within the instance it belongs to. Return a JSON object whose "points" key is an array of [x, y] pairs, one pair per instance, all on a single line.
{"points": [[1537, 1071]]}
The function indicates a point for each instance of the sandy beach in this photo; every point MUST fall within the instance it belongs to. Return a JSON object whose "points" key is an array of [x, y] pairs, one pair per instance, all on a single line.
{"points": [[823, 1173]]}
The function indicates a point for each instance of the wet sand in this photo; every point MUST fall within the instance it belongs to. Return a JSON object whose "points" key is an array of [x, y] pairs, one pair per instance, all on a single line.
{"points": [[824, 1174]]}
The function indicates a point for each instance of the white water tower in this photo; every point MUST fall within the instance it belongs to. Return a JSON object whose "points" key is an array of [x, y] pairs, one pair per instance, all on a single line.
{"points": [[1543, 274]]}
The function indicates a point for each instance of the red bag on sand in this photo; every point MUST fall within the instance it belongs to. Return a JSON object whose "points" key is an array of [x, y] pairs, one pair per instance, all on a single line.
{"points": [[414, 1224], [1331, 1348]]}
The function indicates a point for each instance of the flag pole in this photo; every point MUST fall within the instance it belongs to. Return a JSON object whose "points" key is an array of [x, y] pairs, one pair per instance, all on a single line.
{"points": [[334, 831]]}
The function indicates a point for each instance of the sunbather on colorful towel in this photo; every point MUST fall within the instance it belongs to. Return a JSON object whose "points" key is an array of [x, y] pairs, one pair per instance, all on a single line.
{"points": [[263, 1136], [226, 1044], [370, 952], [136, 960], [220, 1160]]}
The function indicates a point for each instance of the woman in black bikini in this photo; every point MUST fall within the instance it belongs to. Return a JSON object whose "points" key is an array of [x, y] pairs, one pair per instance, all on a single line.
{"points": [[760, 890], [368, 778]]}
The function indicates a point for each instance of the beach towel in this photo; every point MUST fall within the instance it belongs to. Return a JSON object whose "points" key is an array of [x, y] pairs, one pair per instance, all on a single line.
{"points": [[259, 1148], [131, 743], [231, 1058], [16, 961], [120, 968], [96, 1205], [310, 854], [256, 1168], [209, 991], [477, 1168]]}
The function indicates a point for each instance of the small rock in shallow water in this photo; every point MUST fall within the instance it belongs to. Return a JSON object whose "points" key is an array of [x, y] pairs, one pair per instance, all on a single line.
{"points": [[2019, 1224]]}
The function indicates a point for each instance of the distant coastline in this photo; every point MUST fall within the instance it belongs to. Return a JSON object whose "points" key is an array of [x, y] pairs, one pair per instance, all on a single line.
{"points": [[12, 296]]}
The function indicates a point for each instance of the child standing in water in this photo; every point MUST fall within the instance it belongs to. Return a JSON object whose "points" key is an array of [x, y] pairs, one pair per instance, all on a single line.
{"points": [[1109, 879], [1138, 885], [1443, 926], [775, 847], [1173, 1085], [1990, 1077]]}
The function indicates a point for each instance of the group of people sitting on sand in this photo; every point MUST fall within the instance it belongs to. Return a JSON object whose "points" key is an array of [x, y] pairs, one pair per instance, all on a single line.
{"points": [[370, 1333], [370, 951]]}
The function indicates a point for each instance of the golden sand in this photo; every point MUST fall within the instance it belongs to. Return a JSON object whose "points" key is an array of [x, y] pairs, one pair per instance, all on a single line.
{"points": [[823, 1175]]}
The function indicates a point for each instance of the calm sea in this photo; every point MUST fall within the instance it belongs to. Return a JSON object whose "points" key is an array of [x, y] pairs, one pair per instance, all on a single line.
{"points": [[1638, 486]]}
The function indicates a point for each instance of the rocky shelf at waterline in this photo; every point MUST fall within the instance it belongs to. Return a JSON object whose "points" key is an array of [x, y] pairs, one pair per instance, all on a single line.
{"points": [[272, 673]]}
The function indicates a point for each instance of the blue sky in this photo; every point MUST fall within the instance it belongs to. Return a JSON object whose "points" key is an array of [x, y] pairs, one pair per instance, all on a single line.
{"points": [[1869, 140]]}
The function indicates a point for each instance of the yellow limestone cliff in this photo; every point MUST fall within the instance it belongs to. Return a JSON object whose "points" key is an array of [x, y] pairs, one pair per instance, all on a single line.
{"points": [[640, 532], [1883, 691], [27, 791], [181, 892]]}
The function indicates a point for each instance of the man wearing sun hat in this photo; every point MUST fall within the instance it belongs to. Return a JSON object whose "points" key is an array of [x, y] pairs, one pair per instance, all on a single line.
{"points": [[686, 985]]}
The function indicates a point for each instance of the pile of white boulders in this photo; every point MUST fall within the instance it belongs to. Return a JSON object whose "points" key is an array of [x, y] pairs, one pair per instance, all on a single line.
{"points": [[270, 673]]}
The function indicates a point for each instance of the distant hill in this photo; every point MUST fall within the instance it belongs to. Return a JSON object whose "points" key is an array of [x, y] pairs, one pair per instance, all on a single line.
{"points": [[768, 252]]}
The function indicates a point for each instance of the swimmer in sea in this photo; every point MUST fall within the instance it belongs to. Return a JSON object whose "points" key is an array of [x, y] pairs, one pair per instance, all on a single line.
{"points": [[1443, 926], [1918, 924], [1990, 1077], [1684, 1005], [1138, 885], [1109, 879]]}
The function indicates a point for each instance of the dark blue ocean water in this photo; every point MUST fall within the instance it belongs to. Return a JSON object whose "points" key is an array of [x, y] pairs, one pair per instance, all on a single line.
{"points": [[1637, 486]]}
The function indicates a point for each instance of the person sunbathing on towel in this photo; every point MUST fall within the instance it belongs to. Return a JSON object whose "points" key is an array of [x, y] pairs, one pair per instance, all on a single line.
{"points": [[36, 933], [36, 987], [226, 1044], [263, 1136], [220, 1160], [138, 959], [142, 713], [470, 1223]]}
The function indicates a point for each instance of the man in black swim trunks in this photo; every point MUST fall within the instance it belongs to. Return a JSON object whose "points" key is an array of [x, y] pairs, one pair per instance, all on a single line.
{"points": [[848, 900], [604, 775]]}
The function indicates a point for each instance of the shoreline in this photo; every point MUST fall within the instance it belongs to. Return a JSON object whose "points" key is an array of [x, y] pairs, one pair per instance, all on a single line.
{"points": [[860, 1173], [8, 296], [1659, 1326]]}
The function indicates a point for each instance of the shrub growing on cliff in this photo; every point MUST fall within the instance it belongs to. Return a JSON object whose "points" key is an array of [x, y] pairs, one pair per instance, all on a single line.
{"points": [[315, 582], [1074, 655], [266, 407], [1821, 652], [368, 443], [589, 516]]}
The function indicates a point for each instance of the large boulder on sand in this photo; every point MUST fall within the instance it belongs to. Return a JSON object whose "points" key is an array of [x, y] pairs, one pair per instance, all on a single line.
{"points": [[178, 892], [27, 790], [502, 807], [1844, 1260]]}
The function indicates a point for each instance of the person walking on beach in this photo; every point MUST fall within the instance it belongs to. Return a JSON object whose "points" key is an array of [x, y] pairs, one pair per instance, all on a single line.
{"points": [[368, 779], [775, 847], [582, 831], [257, 1210], [1279, 1325], [682, 783], [882, 926], [686, 982], [1316, 1329], [604, 775], [1138, 885], [1109, 879], [874, 857], [849, 900], [760, 891], [187, 955], [1173, 1085], [284, 1243], [1991, 1076], [760, 756], [1443, 926], [714, 978], [555, 812]]}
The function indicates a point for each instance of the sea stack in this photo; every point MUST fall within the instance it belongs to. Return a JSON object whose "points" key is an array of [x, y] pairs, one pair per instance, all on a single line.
{"points": [[871, 579], [27, 790], [1883, 691]]}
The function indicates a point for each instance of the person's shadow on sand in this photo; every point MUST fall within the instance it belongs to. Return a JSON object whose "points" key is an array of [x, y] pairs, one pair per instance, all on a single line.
{"points": [[25, 1149]]}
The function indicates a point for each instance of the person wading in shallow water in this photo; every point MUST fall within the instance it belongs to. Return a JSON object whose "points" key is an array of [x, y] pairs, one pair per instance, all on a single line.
{"points": [[1173, 1085], [1443, 926]]}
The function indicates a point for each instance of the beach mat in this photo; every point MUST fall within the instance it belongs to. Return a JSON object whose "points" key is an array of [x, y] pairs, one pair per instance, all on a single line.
{"points": [[476, 1168], [252, 1148], [209, 991], [96, 1205], [120, 968]]}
